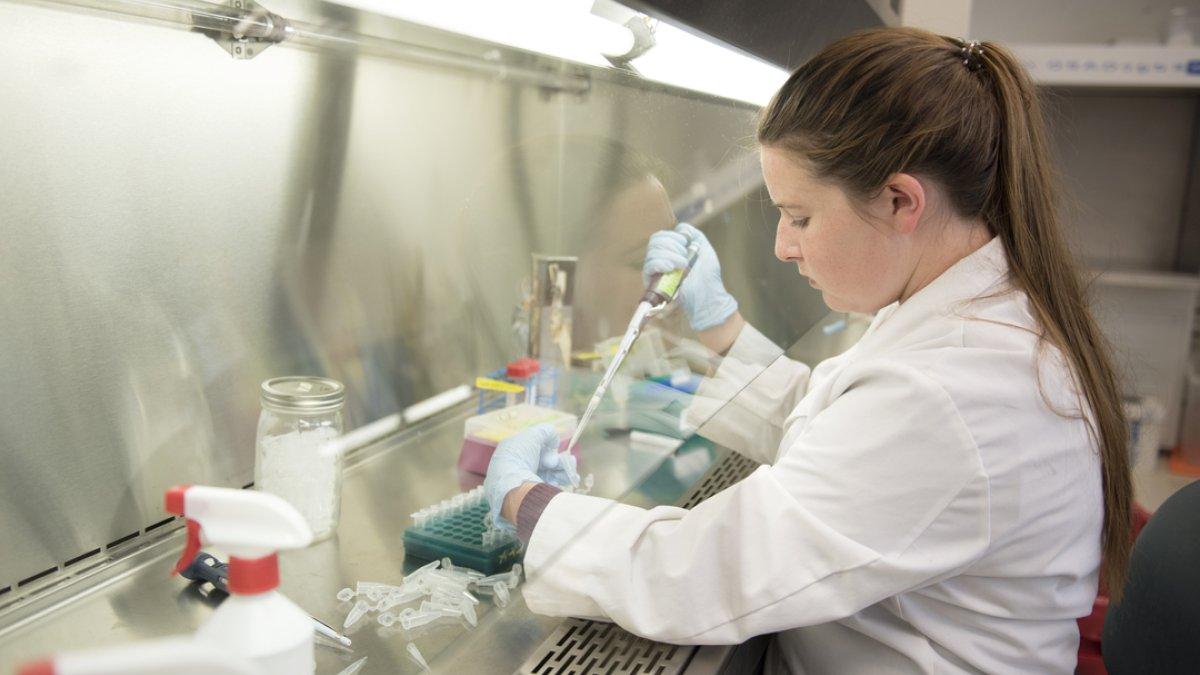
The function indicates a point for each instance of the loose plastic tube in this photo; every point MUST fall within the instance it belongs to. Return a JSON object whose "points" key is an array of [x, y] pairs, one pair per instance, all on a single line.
{"points": [[400, 598], [418, 619], [501, 597], [360, 608], [353, 668], [416, 656], [468, 612]]}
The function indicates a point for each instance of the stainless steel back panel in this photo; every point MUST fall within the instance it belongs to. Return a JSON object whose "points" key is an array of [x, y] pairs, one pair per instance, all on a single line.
{"points": [[178, 226]]}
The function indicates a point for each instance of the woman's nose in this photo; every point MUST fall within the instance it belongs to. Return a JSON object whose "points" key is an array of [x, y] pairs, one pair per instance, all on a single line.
{"points": [[786, 247]]}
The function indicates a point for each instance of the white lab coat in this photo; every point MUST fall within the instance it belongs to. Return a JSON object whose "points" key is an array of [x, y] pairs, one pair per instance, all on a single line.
{"points": [[930, 501]]}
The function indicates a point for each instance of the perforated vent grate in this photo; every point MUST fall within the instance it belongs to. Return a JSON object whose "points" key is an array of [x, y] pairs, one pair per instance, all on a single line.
{"points": [[725, 472], [577, 646]]}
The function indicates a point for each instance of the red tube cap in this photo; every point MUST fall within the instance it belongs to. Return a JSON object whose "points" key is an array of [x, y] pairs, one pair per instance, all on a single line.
{"points": [[523, 367]]}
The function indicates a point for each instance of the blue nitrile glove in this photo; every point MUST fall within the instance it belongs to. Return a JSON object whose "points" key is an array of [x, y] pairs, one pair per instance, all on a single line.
{"points": [[529, 457], [703, 296]]}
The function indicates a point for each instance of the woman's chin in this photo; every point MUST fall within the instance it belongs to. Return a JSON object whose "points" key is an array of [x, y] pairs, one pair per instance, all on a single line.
{"points": [[833, 303]]}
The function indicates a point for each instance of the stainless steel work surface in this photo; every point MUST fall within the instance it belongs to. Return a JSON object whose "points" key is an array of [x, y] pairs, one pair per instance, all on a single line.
{"points": [[383, 484]]}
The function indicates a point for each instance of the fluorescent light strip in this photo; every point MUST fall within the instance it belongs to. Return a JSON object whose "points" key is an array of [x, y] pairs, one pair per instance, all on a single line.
{"points": [[567, 29], [685, 60]]}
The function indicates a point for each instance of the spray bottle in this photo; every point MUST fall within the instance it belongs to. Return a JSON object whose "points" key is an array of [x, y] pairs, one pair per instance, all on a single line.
{"points": [[178, 656], [255, 622]]}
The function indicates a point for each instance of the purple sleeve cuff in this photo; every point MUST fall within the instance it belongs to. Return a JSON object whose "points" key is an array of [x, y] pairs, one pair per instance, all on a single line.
{"points": [[531, 508]]}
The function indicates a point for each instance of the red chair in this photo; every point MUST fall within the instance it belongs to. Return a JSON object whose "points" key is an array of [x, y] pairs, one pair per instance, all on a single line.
{"points": [[1092, 626]]}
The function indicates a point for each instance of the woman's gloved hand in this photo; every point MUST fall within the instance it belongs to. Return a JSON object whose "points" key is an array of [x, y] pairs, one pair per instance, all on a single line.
{"points": [[703, 295], [529, 457]]}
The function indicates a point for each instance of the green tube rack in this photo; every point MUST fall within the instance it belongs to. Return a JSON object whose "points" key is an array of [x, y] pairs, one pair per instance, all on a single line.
{"points": [[459, 536]]}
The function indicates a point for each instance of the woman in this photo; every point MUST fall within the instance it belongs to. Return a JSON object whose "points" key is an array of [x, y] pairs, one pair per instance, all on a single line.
{"points": [[940, 495]]}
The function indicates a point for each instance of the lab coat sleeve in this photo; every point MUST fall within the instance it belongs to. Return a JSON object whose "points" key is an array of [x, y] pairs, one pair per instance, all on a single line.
{"points": [[883, 492], [742, 406]]}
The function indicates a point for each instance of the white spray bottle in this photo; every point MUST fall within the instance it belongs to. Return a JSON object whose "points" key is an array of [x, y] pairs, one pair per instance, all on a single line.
{"points": [[178, 656], [255, 622]]}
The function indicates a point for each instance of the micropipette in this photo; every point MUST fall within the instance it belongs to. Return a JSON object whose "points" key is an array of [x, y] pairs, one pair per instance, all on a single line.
{"points": [[662, 290]]}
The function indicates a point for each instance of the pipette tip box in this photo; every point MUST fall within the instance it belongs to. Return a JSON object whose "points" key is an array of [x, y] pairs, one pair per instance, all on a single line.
{"points": [[482, 433]]}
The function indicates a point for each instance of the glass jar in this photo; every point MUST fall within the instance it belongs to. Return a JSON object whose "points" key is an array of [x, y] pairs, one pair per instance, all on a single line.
{"points": [[294, 457]]}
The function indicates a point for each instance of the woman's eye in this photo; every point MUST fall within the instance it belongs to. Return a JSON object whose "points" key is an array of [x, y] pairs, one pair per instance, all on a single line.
{"points": [[799, 222]]}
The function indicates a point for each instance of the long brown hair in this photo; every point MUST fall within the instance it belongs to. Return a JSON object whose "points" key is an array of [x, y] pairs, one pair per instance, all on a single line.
{"points": [[894, 100]]}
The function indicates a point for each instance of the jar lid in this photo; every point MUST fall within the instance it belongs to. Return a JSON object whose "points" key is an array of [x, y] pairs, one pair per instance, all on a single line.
{"points": [[522, 367], [301, 393]]}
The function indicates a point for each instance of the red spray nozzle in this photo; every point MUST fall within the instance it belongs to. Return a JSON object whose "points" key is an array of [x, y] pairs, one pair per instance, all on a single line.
{"points": [[249, 525], [44, 667], [174, 501]]}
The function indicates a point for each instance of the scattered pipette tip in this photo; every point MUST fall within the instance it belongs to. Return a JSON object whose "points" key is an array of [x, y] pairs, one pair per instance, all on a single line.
{"points": [[416, 656], [327, 631], [353, 668]]}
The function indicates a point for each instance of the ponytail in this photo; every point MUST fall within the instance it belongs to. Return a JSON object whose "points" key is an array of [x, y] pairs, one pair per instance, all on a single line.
{"points": [[1021, 210]]}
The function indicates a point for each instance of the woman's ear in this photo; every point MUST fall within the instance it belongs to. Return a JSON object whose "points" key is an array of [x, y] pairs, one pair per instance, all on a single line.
{"points": [[904, 198]]}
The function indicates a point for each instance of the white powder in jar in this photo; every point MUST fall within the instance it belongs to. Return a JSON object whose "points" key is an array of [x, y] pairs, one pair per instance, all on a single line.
{"points": [[299, 467]]}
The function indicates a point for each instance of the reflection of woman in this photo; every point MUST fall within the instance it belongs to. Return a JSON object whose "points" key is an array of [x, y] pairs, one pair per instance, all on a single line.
{"points": [[585, 196], [937, 498], [631, 206]]}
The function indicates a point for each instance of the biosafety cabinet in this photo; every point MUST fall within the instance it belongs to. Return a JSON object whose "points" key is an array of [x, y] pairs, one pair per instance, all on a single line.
{"points": [[201, 196]]}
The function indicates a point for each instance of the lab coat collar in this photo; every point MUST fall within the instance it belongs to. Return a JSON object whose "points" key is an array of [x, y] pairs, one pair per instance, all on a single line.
{"points": [[981, 274]]}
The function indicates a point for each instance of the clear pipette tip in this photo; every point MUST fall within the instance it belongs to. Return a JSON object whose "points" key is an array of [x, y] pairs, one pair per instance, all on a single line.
{"points": [[327, 631]]}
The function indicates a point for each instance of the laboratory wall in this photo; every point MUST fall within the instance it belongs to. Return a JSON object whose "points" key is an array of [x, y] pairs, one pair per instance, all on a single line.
{"points": [[1073, 21], [1123, 163], [179, 225]]}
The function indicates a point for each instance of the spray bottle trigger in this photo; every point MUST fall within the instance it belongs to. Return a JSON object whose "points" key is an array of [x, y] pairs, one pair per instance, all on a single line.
{"points": [[190, 549]]}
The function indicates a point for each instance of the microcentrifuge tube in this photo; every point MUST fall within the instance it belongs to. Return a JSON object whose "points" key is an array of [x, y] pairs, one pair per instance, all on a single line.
{"points": [[364, 587], [356, 612], [417, 619], [425, 568], [468, 612], [345, 595], [353, 668], [386, 619], [501, 596], [400, 598], [416, 656]]}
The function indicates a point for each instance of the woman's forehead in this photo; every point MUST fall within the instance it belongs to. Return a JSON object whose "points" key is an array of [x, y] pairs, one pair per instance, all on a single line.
{"points": [[789, 180]]}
